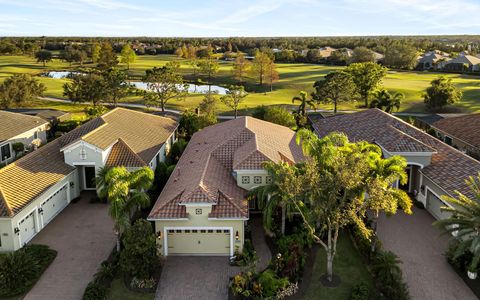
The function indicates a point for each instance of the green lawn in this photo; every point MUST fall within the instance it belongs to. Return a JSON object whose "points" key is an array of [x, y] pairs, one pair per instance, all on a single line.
{"points": [[120, 292], [293, 78], [348, 265]]}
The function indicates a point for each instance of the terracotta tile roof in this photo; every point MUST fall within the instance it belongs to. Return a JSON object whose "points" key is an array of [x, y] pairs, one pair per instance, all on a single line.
{"points": [[122, 155], [204, 172], [31, 175], [13, 124], [449, 167], [465, 128], [27, 178]]}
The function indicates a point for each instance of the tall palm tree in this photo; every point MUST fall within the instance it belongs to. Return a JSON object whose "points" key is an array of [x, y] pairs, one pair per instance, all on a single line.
{"points": [[464, 223], [125, 192], [304, 101], [388, 102]]}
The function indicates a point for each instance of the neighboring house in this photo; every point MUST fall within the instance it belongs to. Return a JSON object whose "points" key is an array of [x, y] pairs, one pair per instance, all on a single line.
{"points": [[203, 208], [433, 60], [15, 128], [434, 168], [462, 132], [463, 63], [326, 52], [38, 186], [425, 122], [50, 115]]}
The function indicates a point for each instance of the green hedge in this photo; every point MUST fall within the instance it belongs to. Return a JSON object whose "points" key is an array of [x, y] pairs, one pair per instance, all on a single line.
{"points": [[21, 269]]}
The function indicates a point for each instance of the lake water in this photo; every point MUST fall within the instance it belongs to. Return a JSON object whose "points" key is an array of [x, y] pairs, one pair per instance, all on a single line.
{"points": [[192, 88]]}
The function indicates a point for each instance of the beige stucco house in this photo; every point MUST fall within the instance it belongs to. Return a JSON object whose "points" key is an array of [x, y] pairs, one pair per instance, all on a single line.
{"points": [[15, 128], [38, 186], [434, 168], [203, 208]]}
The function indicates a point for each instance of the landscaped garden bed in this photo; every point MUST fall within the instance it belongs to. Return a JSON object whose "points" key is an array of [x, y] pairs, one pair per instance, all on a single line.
{"points": [[20, 270]]}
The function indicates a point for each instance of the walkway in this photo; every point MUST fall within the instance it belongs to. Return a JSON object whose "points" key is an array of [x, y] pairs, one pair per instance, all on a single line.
{"points": [[83, 236], [421, 248], [259, 242]]}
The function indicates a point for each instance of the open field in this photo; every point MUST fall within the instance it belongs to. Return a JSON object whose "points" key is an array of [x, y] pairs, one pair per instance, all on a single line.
{"points": [[293, 78]]}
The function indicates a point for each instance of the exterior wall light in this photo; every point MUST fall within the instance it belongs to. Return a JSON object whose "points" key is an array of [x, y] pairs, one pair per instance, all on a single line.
{"points": [[159, 234], [40, 210], [16, 230], [237, 236]]}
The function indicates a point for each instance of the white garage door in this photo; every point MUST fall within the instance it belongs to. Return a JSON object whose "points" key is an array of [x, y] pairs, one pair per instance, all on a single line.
{"points": [[198, 242], [54, 204], [27, 228], [434, 205]]}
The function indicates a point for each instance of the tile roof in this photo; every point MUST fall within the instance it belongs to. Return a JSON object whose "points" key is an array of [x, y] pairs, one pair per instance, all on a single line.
{"points": [[27, 178], [465, 128], [122, 155], [204, 172], [449, 167], [13, 124]]}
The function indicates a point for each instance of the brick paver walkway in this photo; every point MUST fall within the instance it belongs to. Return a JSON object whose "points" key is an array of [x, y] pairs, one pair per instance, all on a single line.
{"points": [[83, 236], [259, 243], [195, 277], [421, 248]]}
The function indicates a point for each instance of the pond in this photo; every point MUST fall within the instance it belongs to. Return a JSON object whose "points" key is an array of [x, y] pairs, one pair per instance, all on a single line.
{"points": [[192, 88], [59, 74]]}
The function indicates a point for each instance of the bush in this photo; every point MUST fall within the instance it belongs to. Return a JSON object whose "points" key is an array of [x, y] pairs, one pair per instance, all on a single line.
{"points": [[18, 147], [20, 270], [291, 261], [176, 151], [360, 291], [249, 285], [270, 283], [279, 115], [95, 111], [95, 291], [388, 275], [457, 257], [139, 257], [248, 255], [69, 125]]}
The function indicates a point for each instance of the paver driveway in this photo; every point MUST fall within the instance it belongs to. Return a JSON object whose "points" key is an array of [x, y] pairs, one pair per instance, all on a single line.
{"points": [[421, 248], [83, 236], [195, 277]]}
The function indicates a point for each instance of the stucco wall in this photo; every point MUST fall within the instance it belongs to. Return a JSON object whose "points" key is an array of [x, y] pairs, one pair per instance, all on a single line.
{"points": [[427, 183], [195, 220], [12, 242], [26, 138], [261, 174]]}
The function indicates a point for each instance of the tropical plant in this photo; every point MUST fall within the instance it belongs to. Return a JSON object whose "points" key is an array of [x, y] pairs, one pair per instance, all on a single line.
{"points": [[304, 102], [95, 291], [464, 222], [386, 269], [125, 192], [385, 101]]}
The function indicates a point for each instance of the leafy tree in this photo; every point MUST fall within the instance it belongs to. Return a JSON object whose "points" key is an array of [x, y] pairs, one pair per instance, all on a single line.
{"points": [[96, 48], [441, 93], [179, 52], [138, 258], [18, 90], [279, 115], [188, 124], [208, 109], [127, 56], [464, 222], [384, 100], [116, 85], [125, 191], [367, 77], [401, 56], [304, 102], [272, 75], [89, 87], [164, 83], [340, 56], [72, 54], [234, 96], [241, 67], [208, 67], [43, 56], [260, 65], [193, 62], [313, 56], [107, 58], [362, 54], [95, 111], [336, 87]]}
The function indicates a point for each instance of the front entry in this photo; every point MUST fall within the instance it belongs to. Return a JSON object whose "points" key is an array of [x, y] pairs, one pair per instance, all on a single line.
{"points": [[89, 173], [215, 242]]}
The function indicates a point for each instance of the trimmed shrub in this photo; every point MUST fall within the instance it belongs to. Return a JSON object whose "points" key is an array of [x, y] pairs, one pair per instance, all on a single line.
{"points": [[95, 291], [69, 125], [360, 291], [388, 275]]}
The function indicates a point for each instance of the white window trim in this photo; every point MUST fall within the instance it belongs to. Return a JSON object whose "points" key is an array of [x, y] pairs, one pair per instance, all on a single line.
{"points": [[11, 151], [165, 235]]}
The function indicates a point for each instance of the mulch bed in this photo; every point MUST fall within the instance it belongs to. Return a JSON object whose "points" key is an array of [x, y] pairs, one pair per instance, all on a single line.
{"points": [[474, 284]]}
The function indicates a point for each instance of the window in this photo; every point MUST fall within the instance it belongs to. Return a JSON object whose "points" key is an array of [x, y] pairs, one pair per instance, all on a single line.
{"points": [[178, 231], [198, 211], [245, 179], [5, 152], [171, 231], [219, 231], [448, 140], [226, 231], [187, 230], [268, 179], [194, 231], [257, 179], [210, 231], [203, 231], [35, 135]]}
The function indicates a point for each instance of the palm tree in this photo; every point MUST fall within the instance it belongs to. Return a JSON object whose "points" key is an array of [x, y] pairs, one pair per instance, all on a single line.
{"points": [[125, 192], [464, 223], [385, 100], [304, 101]]}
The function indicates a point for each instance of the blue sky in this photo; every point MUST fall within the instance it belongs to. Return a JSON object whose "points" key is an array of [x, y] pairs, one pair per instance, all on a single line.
{"points": [[238, 17]]}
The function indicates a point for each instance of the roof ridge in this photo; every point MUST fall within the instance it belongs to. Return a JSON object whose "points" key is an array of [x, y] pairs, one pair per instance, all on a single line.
{"points": [[18, 114]]}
